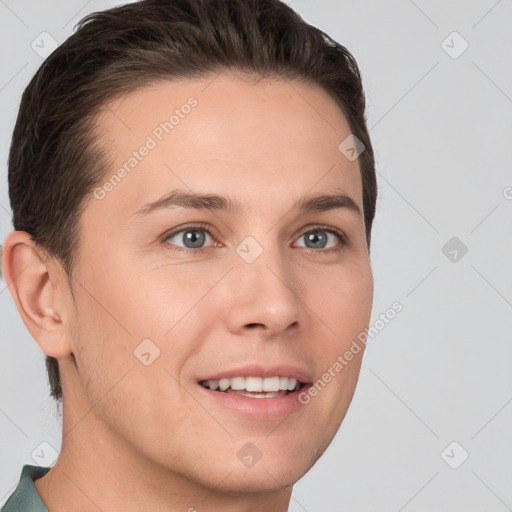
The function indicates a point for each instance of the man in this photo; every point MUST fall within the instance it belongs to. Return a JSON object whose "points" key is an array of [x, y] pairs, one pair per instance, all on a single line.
{"points": [[193, 189]]}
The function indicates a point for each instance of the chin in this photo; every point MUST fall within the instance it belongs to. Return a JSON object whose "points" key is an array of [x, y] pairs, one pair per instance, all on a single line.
{"points": [[262, 478], [277, 468]]}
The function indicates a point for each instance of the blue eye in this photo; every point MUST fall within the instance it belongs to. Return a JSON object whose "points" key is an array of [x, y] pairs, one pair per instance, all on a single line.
{"points": [[192, 238], [319, 238]]}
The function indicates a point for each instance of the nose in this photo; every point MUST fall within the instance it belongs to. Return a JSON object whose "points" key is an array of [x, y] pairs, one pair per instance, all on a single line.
{"points": [[262, 297]]}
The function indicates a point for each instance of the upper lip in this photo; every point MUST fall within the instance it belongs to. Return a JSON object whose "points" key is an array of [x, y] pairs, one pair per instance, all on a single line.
{"points": [[259, 370]]}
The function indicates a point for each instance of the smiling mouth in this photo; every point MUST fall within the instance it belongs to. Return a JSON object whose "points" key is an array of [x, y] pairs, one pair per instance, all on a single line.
{"points": [[254, 387]]}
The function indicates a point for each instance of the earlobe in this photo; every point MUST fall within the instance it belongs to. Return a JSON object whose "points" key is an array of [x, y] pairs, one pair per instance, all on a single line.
{"points": [[37, 291]]}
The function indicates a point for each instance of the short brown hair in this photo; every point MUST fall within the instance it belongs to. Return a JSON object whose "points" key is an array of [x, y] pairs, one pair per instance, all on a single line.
{"points": [[56, 159]]}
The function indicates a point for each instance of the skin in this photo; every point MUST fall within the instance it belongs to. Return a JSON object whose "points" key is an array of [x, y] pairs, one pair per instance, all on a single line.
{"points": [[137, 437]]}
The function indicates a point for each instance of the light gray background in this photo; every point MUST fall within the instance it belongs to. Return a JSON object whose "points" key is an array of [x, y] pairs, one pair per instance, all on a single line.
{"points": [[440, 371]]}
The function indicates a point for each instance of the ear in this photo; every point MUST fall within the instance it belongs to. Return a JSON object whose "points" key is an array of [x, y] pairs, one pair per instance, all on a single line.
{"points": [[39, 291]]}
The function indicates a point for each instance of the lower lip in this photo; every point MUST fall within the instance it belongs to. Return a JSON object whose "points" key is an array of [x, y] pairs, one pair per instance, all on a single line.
{"points": [[256, 408]]}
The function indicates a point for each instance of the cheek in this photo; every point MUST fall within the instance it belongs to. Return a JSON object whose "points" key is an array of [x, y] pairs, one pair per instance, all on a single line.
{"points": [[153, 302], [342, 301], [127, 395], [103, 331], [344, 310], [124, 313]]}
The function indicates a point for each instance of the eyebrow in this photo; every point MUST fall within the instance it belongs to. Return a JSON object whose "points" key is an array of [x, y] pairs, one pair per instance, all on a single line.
{"points": [[184, 199]]}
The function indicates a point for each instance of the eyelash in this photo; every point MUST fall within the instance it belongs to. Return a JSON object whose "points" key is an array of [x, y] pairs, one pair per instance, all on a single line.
{"points": [[203, 227]]}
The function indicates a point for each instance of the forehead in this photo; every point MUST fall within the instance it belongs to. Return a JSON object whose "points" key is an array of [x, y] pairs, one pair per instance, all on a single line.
{"points": [[257, 140]]}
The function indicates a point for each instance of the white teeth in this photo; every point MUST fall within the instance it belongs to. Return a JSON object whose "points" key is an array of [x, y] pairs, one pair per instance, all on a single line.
{"points": [[250, 394], [238, 383], [254, 384], [291, 384], [223, 384], [271, 384]]}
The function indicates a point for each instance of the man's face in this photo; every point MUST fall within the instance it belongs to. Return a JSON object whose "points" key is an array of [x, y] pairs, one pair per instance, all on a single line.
{"points": [[264, 285]]}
